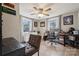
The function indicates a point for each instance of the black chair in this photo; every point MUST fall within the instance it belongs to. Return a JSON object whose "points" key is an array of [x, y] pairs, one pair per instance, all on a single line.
{"points": [[33, 45]]}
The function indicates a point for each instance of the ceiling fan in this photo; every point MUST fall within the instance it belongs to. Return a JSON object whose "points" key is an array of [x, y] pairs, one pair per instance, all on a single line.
{"points": [[43, 11]]}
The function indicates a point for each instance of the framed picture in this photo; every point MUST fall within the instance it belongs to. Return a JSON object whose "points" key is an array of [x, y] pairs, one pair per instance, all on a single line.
{"points": [[42, 24], [68, 20], [35, 24]]}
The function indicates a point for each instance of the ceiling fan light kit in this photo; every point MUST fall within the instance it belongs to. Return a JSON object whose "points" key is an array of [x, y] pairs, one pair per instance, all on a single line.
{"points": [[40, 15]]}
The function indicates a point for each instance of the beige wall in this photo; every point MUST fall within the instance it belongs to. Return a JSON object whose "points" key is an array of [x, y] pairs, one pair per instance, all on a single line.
{"points": [[35, 28], [41, 29], [11, 24], [75, 21], [63, 27], [78, 20]]}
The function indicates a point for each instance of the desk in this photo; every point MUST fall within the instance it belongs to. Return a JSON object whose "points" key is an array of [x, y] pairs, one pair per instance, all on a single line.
{"points": [[11, 47], [71, 42]]}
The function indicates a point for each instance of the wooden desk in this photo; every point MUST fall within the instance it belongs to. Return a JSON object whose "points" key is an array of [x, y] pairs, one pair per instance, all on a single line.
{"points": [[11, 47], [66, 39]]}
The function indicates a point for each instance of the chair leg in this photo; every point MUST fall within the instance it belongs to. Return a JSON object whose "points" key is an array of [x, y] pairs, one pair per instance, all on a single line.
{"points": [[38, 53], [51, 43]]}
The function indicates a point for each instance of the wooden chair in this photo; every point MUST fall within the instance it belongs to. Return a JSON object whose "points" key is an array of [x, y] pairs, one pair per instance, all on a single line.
{"points": [[33, 45]]}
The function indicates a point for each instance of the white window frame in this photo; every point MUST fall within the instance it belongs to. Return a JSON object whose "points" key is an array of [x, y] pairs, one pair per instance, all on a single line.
{"points": [[55, 19], [27, 19]]}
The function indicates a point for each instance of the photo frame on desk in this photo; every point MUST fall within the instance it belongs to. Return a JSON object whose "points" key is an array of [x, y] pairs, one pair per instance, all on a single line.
{"points": [[68, 20]]}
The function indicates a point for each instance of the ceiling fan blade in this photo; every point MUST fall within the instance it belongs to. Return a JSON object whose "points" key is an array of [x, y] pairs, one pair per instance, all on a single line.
{"points": [[48, 9], [41, 9], [46, 14], [35, 8]]}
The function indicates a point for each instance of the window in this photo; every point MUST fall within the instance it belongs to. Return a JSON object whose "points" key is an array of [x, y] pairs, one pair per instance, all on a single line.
{"points": [[26, 24], [53, 23]]}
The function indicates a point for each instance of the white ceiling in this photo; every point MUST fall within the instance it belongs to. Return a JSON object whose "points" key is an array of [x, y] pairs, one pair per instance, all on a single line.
{"points": [[26, 9]]}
